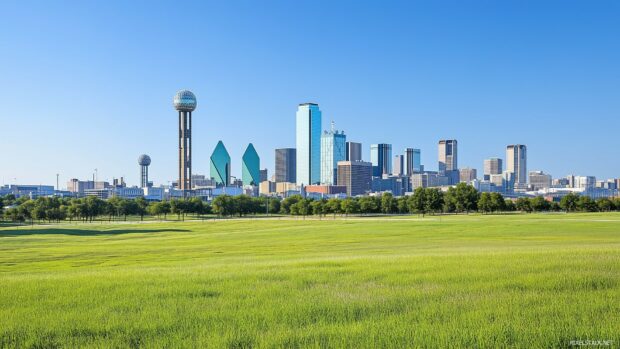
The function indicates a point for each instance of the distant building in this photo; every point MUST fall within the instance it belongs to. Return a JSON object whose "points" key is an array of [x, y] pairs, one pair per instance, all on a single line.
{"points": [[74, 185], [492, 166], [429, 179], [267, 188], [220, 165], [250, 166], [30, 191], [397, 185], [448, 155], [333, 150], [201, 181], [540, 180], [467, 175], [413, 162], [399, 165], [264, 175], [356, 176], [354, 151], [286, 167], [516, 162], [308, 139], [326, 189], [381, 159]]}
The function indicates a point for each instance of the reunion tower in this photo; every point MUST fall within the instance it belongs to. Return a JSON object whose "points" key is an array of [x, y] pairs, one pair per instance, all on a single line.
{"points": [[185, 103]]}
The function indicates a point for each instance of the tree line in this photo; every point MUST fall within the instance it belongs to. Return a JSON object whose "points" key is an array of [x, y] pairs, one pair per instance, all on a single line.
{"points": [[462, 198]]}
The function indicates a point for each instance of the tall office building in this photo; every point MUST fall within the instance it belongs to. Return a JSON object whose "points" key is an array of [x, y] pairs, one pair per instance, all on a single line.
{"points": [[448, 155], [185, 103], [399, 165], [220, 165], [286, 167], [250, 166], [356, 176], [333, 150], [381, 159], [492, 166], [412, 161], [264, 175], [540, 180], [308, 138], [516, 162], [467, 175], [144, 161], [354, 151]]}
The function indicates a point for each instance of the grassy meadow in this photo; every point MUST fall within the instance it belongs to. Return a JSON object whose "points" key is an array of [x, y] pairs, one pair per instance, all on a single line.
{"points": [[539, 280]]}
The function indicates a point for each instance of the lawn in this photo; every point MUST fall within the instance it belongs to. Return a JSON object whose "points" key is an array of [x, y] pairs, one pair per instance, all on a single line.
{"points": [[455, 281]]}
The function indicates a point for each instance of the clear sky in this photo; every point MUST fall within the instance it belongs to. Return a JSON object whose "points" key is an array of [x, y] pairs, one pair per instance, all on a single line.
{"points": [[89, 84]]}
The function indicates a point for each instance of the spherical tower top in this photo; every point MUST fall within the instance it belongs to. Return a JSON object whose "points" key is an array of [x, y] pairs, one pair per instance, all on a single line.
{"points": [[184, 100], [144, 160]]}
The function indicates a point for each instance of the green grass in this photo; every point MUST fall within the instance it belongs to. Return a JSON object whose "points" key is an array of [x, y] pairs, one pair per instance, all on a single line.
{"points": [[459, 281]]}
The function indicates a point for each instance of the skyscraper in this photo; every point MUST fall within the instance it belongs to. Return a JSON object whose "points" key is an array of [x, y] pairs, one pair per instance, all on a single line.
{"points": [[516, 162], [356, 176], [185, 103], [144, 161], [286, 167], [250, 166], [492, 166], [399, 165], [448, 155], [220, 165], [333, 150], [467, 175], [354, 151], [412, 161], [308, 139], [381, 159]]}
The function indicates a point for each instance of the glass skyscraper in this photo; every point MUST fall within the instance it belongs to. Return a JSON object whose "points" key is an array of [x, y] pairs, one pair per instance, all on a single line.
{"points": [[381, 159], [308, 139], [333, 150], [250, 166], [412, 161], [220, 165]]}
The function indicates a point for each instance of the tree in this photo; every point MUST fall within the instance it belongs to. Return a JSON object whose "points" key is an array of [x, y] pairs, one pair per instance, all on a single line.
{"points": [[402, 205], [417, 201], [497, 202], [224, 205], [524, 205], [333, 206], [300, 208], [368, 204], [285, 206], [433, 200], [318, 207], [141, 206], [586, 204], [388, 204], [605, 205], [350, 206], [509, 205], [569, 202], [485, 203], [539, 204]]}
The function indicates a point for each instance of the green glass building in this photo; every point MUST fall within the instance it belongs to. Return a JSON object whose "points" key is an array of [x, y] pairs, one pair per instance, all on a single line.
{"points": [[250, 172], [220, 165]]}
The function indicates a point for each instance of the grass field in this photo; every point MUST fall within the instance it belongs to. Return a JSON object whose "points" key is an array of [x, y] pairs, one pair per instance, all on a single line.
{"points": [[460, 281]]}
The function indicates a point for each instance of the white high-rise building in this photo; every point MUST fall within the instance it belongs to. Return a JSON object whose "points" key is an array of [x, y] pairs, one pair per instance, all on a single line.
{"points": [[516, 162], [399, 165], [308, 139]]}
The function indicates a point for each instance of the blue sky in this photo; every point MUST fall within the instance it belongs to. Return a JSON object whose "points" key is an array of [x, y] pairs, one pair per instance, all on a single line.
{"points": [[90, 84]]}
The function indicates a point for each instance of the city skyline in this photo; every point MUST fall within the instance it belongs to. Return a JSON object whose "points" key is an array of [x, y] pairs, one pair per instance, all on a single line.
{"points": [[79, 120]]}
